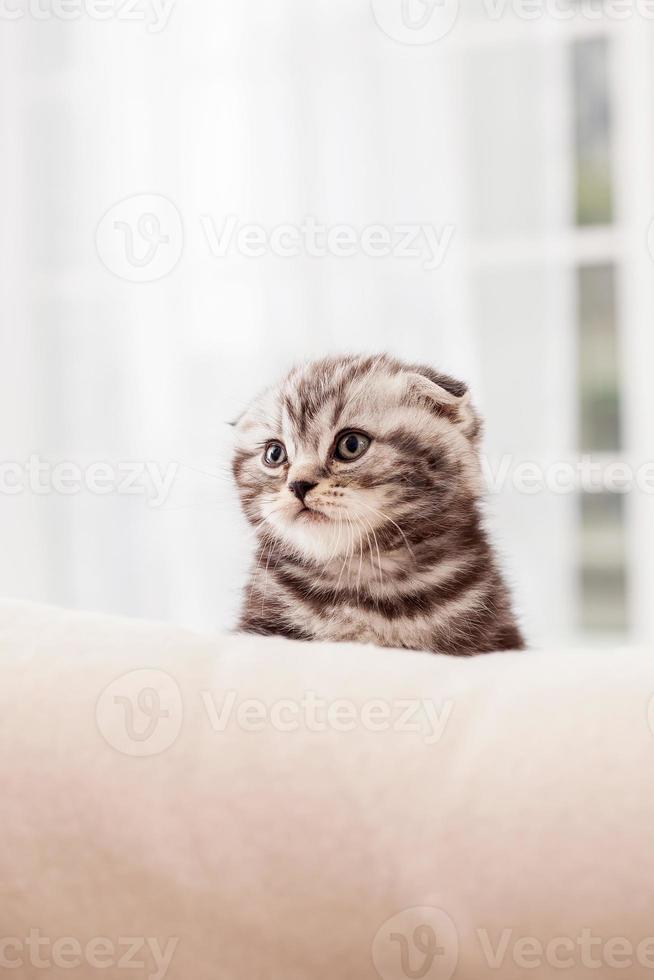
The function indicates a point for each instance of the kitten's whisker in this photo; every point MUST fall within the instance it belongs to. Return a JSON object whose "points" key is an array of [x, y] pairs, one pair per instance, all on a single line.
{"points": [[329, 560], [361, 549], [369, 543], [349, 567], [224, 475], [265, 579], [255, 574], [374, 536], [360, 559], [390, 520], [338, 584], [350, 542]]}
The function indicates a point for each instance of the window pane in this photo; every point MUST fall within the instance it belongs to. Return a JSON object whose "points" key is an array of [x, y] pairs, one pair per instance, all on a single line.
{"points": [[599, 374], [592, 132], [602, 567]]}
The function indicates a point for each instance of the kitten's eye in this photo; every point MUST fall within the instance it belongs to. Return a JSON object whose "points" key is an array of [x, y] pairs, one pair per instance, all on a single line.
{"points": [[351, 446], [274, 454]]}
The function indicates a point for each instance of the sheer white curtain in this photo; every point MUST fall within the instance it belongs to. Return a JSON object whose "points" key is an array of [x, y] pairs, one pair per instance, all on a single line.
{"points": [[269, 112], [280, 113], [22, 566]]}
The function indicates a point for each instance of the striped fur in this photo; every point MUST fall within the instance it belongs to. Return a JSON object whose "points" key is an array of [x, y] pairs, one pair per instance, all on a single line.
{"points": [[387, 549]]}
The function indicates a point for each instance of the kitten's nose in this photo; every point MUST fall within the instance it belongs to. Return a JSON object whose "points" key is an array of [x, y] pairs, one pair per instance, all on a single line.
{"points": [[301, 488]]}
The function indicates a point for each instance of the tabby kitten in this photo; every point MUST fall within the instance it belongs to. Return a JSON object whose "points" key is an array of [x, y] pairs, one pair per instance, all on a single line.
{"points": [[361, 478]]}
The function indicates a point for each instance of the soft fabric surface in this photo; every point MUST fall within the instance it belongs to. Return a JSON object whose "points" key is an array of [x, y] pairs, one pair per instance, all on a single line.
{"points": [[511, 835]]}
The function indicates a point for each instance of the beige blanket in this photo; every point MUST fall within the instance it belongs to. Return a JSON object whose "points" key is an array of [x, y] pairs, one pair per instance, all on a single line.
{"points": [[233, 808]]}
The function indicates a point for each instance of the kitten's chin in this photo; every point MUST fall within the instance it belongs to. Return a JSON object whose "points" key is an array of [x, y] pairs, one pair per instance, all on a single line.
{"points": [[313, 534], [311, 516]]}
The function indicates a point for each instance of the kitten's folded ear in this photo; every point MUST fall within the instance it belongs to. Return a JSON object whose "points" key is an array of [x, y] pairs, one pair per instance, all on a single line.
{"points": [[447, 397], [235, 422]]}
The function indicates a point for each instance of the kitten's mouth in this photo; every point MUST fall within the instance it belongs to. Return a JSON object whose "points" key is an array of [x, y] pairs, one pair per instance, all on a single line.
{"points": [[308, 514]]}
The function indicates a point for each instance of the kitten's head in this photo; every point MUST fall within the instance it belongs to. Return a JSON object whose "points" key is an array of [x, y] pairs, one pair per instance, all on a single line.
{"points": [[346, 446]]}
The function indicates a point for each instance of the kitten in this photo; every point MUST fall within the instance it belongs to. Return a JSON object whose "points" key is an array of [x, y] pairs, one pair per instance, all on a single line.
{"points": [[361, 478]]}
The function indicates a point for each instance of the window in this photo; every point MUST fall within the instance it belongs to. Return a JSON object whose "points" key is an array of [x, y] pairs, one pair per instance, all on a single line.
{"points": [[602, 569], [548, 256]]}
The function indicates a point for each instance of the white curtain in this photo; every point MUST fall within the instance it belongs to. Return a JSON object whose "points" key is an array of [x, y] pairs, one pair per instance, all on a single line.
{"points": [[273, 113], [270, 112]]}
